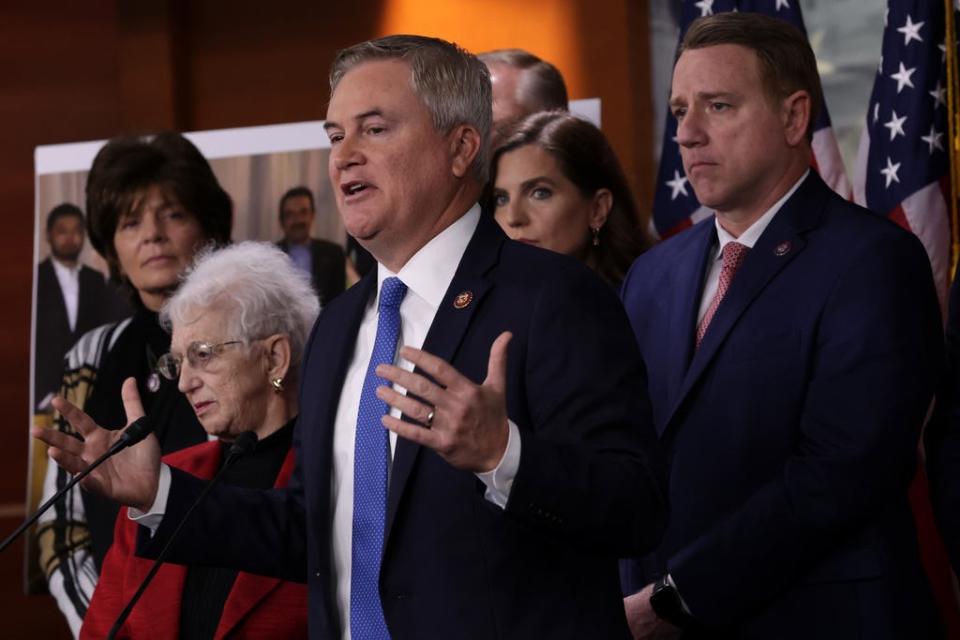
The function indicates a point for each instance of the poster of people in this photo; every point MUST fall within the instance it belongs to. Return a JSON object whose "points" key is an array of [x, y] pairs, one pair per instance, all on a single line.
{"points": [[74, 292]]}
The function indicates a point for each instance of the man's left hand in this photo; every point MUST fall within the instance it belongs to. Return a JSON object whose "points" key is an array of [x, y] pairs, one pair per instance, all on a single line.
{"points": [[467, 422], [643, 621]]}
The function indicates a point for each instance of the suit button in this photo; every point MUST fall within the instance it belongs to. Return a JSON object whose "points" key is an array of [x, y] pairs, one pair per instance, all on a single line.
{"points": [[317, 574]]}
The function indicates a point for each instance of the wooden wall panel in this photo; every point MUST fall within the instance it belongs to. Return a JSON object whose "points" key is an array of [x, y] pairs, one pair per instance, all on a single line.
{"points": [[60, 84], [258, 63]]}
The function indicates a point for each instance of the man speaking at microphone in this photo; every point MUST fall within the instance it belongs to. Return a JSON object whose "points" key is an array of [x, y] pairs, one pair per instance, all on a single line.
{"points": [[525, 460]]}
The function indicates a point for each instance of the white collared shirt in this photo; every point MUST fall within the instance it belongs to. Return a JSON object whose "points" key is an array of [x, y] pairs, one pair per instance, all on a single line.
{"points": [[69, 279], [748, 238]]}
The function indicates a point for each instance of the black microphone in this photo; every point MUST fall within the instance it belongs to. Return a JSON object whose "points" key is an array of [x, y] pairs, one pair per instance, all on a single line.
{"points": [[137, 431], [244, 445]]}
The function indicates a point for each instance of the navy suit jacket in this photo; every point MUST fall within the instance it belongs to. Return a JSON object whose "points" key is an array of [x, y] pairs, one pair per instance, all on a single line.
{"points": [[98, 303], [588, 485], [329, 270], [942, 437], [791, 433]]}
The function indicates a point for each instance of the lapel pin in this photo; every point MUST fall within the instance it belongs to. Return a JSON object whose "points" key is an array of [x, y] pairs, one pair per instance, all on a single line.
{"points": [[783, 248], [463, 299]]}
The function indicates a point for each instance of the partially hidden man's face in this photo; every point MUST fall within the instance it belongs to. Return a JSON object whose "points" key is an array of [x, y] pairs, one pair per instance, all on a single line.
{"points": [[389, 166], [505, 83], [731, 135], [66, 238], [296, 219]]}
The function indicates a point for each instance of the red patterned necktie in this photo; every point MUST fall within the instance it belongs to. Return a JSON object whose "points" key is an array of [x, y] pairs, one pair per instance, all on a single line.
{"points": [[733, 255]]}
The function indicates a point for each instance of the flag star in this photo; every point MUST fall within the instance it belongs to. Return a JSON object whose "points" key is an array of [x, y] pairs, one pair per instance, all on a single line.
{"points": [[890, 173], [895, 125], [939, 95], [782, 4], [678, 184], [910, 31], [705, 6], [876, 112], [943, 51], [903, 77], [933, 139]]}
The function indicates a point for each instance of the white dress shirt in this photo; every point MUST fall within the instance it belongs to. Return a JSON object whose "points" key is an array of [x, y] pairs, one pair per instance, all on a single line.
{"points": [[69, 279], [428, 275], [748, 238]]}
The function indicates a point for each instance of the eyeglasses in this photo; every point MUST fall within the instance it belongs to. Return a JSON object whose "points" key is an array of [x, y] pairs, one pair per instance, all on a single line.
{"points": [[199, 355]]}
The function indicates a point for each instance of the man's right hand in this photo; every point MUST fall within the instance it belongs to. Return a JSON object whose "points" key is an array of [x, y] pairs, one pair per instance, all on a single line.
{"points": [[129, 477]]}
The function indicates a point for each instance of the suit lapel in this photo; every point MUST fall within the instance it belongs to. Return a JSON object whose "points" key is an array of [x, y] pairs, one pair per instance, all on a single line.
{"points": [[345, 318], [684, 305], [780, 243], [319, 401], [86, 304], [446, 333], [56, 306]]}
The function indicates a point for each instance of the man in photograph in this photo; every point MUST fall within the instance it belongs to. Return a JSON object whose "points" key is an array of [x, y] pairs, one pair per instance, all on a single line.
{"points": [[72, 298], [322, 260]]}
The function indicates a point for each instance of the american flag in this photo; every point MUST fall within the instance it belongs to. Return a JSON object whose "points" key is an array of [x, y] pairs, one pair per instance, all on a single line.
{"points": [[902, 172], [675, 207], [903, 163]]}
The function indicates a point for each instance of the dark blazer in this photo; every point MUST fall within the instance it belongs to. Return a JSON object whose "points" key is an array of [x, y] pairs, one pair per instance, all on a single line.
{"points": [[792, 432], [455, 566], [257, 607], [98, 304], [329, 275], [942, 437]]}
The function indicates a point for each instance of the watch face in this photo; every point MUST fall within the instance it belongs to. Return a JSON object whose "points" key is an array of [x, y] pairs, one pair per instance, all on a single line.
{"points": [[665, 602]]}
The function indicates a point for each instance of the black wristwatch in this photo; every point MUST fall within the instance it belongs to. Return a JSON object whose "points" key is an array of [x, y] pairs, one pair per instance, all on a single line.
{"points": [[666, 603]]}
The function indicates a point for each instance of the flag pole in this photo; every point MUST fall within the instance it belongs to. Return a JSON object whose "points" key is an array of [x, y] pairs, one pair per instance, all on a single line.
{"points": [[953, 132]]}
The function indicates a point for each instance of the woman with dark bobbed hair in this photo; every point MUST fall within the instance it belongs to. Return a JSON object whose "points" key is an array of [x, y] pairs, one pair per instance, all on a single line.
{"points": [[557, 184], [152, 203]]}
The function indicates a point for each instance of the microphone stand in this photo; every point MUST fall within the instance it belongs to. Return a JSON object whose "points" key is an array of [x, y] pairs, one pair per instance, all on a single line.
{"points": [[133, 434], [245, 443]]}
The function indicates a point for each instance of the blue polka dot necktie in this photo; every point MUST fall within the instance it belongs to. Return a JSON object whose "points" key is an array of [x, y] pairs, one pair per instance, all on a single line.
{"points": [[371, 457]]}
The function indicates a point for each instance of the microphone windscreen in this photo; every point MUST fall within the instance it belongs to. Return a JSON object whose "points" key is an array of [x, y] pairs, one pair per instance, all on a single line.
{"points": [[137, 431], [245, 443]]}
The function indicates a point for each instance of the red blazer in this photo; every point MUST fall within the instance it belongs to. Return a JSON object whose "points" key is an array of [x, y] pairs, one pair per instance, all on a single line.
{"points": [[257, 607]]}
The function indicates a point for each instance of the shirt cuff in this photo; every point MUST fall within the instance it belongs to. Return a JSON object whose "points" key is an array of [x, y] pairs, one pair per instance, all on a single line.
{"points": [[499, 480], [683, 603], [152, 517]]}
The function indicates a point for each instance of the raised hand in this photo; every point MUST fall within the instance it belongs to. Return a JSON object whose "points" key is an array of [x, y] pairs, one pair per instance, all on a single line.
{"points": [[467, 421], [130, 477]]}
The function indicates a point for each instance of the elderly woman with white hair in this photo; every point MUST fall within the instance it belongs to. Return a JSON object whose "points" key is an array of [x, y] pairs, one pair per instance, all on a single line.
{"points": [[239, 321]]}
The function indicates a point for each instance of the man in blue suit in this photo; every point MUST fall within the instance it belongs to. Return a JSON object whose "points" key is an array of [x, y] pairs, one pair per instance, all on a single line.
{"points": [[526, 459], [791, 343], [942, 436]]}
